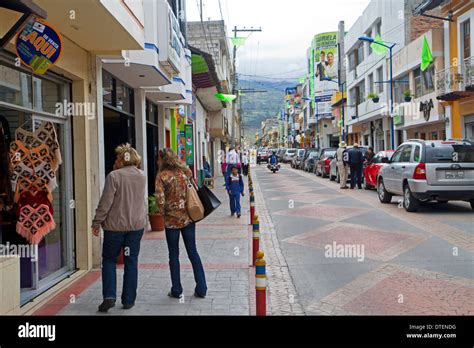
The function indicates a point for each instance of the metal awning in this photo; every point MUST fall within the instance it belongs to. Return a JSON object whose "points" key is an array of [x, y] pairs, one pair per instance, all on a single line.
{"points": [[28, 8], [428, 5]]}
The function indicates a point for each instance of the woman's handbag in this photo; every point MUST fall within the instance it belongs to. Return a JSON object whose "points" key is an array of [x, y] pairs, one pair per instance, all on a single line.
{"points": [[209, 200], [194, 205]]}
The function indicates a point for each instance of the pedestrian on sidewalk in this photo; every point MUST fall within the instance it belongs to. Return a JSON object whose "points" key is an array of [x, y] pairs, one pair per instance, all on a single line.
{"points": [[356, 162], [122, 215], [233, 160], [342, 166], [171, 188], [245, 163], [235, 188]]}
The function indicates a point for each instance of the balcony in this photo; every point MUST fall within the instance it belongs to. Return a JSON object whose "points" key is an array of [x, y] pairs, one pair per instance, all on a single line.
{"points": [[468, 70], [451, 83]]}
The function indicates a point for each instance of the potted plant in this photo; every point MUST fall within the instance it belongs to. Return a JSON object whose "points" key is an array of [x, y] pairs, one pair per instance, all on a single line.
{"points": [[407, 95], [157, 221], [374, 96]]}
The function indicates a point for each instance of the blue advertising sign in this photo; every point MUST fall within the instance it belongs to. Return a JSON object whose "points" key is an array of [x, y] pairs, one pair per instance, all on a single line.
{"points": [[39, 45]]}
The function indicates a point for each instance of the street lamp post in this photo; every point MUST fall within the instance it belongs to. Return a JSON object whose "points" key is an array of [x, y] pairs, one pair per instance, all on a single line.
{"points": [[392, 127]]}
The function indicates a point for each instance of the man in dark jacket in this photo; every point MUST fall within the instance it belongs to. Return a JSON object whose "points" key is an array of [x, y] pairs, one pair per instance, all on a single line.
{"points": [[356, 161]]}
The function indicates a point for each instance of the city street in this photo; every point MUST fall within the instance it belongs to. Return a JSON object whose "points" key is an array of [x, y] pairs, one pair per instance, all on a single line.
{"points": [[395, 263]]}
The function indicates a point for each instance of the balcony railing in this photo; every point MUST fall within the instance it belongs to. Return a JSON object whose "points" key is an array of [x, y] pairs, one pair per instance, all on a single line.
{"points": [[468, 70], [456, 82]]}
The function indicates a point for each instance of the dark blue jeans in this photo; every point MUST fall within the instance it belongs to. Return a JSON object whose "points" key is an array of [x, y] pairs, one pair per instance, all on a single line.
{"points": [[113, 244], [189, 238], [234, 199], [356, 175]]}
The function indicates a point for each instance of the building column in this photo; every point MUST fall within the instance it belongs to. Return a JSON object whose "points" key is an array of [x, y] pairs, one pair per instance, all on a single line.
{"points": [[140, 125]]}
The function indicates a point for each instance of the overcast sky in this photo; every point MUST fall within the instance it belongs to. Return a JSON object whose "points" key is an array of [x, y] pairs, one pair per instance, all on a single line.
{"points": [[288, 27]]}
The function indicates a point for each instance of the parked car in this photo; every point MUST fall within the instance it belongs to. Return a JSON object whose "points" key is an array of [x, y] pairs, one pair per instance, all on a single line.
{"points": [[298, 159], [288, 156], [308, 164], [281, 153], [322, 163], [424, 170], [333, 171], [262, 155], [372, 169]]}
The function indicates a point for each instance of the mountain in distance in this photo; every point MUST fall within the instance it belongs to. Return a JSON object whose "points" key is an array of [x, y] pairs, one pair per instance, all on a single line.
{"points": [[257, 107]]}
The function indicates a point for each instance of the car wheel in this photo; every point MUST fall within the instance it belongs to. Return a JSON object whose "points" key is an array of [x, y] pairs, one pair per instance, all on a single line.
{"points": [[384, 196], [410, 203], [331, 177]]}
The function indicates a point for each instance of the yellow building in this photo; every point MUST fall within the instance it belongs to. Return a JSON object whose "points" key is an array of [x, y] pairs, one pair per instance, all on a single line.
{"points": [[455, 83]]}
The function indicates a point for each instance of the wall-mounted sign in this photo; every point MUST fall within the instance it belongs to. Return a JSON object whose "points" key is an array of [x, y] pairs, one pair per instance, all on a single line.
{"points": [[189, 144], [425, 108], [39, 45]]}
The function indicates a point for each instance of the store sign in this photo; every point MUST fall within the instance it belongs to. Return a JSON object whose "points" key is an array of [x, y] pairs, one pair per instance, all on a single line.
{"points": [[39, 46], [175, 46], [425, 108], [188, 129]]}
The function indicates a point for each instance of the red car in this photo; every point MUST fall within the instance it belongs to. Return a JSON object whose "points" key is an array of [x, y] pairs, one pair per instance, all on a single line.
{"points": [[371, 170], [322, 163]]}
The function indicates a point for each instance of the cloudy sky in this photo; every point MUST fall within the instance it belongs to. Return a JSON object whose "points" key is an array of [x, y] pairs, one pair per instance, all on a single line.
{"points": [[288, 27]]}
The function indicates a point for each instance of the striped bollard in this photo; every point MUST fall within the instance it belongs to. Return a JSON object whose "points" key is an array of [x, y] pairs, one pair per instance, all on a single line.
{"points": [[252, 207], [256, 239], [261, 284]]}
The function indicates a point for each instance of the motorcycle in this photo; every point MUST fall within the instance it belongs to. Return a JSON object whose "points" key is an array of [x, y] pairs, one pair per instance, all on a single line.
{"points": [[273, 168]]}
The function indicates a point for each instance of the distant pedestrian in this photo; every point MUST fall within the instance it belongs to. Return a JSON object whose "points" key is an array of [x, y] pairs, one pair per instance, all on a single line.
{"points": [[235, 188], [206, 167], [232, 160], [342, 165], [121, 213], [245, 163], [370, 154], [356, 161], [171, 187]]}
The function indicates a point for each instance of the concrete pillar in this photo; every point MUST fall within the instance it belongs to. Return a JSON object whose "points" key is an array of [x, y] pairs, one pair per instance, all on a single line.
{"points": [[140, 125]]}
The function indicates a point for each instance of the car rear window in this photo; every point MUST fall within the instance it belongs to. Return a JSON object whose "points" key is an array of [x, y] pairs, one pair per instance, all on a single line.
{"points": [[329, 153], [450, 153], [291, 151], [300, 153]]}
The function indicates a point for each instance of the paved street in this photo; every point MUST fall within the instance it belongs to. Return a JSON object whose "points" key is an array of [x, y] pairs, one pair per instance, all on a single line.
{"points": [[223, 244], [398, 263]]}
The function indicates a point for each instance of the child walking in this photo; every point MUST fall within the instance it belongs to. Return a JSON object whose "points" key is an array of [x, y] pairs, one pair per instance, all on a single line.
{"points": [[235, 188]]}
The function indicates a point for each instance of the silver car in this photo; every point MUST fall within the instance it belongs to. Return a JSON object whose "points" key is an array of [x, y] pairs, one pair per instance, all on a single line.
{"points": [[424, 170], [289, 154]]}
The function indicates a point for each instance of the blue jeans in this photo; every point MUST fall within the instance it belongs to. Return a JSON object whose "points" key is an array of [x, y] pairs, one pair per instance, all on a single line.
{"points": [[113, 244], [234, 203], [356, 175], [189, 238]]}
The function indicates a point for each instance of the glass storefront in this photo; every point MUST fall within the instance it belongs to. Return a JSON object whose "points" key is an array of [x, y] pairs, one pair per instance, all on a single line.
{"points": [[152, 143], [27, 104]]}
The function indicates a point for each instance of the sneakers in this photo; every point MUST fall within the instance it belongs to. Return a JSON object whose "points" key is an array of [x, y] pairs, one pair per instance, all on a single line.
{"points": [[199, 296], [128, 306], [106, 305], [170, 294], [238, 216]]}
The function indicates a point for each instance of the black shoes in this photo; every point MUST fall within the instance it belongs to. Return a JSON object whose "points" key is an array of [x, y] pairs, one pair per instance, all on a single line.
{"points": [[106, 305], [199, 296], [128, 306], [238, 216], [170, 294]]}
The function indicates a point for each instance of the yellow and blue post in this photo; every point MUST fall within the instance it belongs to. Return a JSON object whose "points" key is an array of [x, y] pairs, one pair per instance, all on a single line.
{"points": [[261, 284]]}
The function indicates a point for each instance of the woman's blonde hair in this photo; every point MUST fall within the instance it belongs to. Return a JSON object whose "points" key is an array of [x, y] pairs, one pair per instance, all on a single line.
{"points": [[168, 160], [128, 155]]}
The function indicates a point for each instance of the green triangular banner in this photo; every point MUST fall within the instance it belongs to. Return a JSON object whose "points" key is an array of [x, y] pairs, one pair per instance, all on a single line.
{"points": [[225, 97], [377, 46], [426, 56], [238, 41]]}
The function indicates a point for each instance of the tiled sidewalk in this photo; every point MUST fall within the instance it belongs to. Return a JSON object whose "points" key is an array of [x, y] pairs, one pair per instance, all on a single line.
{"points": [[223, 244]]}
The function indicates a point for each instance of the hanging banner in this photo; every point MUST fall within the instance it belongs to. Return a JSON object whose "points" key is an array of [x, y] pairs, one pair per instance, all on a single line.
{"points": [[39, 46], [189, 144], [324, 67]]}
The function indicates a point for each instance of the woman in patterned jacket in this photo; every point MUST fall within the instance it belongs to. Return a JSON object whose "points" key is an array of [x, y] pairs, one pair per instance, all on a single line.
{"points": [[171, 185]]}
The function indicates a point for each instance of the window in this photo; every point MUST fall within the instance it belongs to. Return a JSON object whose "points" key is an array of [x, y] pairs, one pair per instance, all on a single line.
{"points": [[406, 153], [466, 39], [370, 87], [108, 88], [369, 34], [362, 95], [397, 155], [380, 79], [424, 81], [399, 87], [352, 60], [417, 154], [15, 87], [360, 54], [378, 29]]}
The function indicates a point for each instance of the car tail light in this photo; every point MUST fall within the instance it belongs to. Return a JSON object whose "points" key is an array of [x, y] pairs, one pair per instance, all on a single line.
{"points": [[420, 172]]}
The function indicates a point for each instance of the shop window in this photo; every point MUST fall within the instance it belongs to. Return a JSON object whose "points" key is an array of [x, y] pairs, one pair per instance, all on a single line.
{"points": [[434, 135], [15, 87], [108, 89], [46, 95], [125, 97]]}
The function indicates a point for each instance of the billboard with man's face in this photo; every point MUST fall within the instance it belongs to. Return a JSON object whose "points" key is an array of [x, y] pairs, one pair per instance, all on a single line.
{"points": [[324, 67]]}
